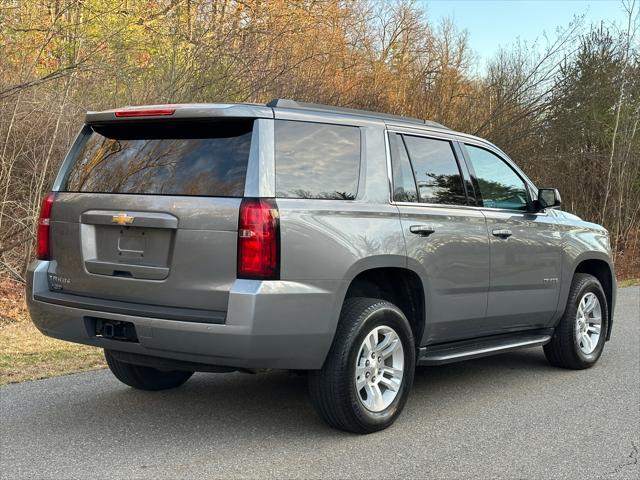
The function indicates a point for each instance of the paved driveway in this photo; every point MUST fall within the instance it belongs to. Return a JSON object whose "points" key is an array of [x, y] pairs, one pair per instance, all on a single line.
{"points": [[507, 416]]}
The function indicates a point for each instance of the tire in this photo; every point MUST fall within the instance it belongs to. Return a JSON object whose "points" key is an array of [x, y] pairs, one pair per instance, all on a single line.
{"points": [[333, 389], [145, 378], [566, 349]]}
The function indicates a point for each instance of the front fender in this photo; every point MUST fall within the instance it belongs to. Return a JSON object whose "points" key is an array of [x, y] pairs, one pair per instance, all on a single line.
{"points": [[583, 242]]}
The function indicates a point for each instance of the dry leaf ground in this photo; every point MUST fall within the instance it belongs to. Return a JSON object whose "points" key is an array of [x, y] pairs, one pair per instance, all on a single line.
{"points": [[25, 353]]}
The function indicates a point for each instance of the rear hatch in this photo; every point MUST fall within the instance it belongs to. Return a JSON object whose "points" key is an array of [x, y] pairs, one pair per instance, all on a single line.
{"points": [[147, 213]]}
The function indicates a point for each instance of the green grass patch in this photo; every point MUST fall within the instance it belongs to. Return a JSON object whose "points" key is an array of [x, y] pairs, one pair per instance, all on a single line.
{"points": [[26, 354]]}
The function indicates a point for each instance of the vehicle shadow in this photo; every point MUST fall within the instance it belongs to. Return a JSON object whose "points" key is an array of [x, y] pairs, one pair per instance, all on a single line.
{"points": [[273, 404], [523, 370]]}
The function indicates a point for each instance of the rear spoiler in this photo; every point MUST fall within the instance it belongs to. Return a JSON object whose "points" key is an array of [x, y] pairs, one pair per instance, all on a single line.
{"points": [[179, 111]]}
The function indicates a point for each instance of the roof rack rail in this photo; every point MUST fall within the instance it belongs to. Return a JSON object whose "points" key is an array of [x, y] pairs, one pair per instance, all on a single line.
{"points": [[288, 103]]}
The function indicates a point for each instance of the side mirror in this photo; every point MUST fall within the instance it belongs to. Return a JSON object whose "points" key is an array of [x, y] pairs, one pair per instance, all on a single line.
{"points": [[548, 198]]}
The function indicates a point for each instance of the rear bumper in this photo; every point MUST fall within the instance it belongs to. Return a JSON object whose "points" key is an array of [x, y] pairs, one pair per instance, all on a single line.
{"points": [[272, 324]]}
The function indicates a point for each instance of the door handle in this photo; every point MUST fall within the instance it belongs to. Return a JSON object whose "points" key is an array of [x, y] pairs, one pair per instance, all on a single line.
{"points": [[422, 230], [502, 233]]}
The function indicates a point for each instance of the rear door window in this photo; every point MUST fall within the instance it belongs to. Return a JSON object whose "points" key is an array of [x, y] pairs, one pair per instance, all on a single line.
{"points": [[163, 158], [404, 185], [317, 160], [436, 171]]}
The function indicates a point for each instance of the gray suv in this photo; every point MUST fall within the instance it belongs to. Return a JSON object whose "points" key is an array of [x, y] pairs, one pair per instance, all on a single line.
{"points": [[350, 245]]}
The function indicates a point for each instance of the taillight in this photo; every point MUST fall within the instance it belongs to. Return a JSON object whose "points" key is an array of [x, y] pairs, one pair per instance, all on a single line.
{"points": [[44, 220], [145, 113], [258, 239]]}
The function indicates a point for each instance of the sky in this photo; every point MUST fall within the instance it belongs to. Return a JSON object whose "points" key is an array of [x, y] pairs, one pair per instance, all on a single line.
{"points": [[496, 23]]}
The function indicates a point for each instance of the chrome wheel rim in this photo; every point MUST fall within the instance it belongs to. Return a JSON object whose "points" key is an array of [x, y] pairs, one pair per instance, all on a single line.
{"points": [[379, 368], [588, 323]]}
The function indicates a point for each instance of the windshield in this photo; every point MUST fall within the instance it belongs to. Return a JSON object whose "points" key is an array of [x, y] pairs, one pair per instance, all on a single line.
{"points": [[163, 158]]}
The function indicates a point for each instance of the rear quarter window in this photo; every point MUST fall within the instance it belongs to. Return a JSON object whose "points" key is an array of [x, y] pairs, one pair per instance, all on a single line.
{"points": [[316, 160], [163, 158]]}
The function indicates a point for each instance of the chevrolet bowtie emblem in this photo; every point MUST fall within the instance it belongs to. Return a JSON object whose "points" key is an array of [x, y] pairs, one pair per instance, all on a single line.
{"points": [[122, 219]]}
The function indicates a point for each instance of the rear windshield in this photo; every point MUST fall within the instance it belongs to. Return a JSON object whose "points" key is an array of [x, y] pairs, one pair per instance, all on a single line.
{"points": [[177, 158]]}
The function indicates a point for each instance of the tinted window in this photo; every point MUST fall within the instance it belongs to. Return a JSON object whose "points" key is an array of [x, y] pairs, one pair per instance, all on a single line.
{"points": [[315, 160], [404, 185], [436, 171], [500, 186], [206, 159]]}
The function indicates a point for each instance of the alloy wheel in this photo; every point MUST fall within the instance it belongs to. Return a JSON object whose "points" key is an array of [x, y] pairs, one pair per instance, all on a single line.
{"points": [[588, 323], [379, 368]]}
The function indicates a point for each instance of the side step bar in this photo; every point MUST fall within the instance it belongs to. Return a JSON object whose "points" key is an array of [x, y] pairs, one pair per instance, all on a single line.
{"points": [[481, 347]]}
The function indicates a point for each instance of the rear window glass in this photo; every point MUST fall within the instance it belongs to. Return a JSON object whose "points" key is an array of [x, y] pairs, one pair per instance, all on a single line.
{"points": [[436, 171], [404, 184], [316, 160], [177, 158]]}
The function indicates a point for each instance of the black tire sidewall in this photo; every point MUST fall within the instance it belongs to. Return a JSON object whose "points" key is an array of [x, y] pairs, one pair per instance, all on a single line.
{"points": [[385, 315], [145, 378]]}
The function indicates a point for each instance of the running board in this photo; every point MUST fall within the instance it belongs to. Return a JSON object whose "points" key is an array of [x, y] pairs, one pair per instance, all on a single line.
{"points": [[481, 347]]}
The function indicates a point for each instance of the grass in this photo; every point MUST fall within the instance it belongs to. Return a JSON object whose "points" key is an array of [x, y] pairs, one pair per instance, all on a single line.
{"points": [[26, 354], [629, 282]]}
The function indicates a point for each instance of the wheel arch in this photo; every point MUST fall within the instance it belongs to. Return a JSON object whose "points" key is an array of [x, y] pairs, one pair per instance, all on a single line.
{"points": [[602, 269], [396, 284]]}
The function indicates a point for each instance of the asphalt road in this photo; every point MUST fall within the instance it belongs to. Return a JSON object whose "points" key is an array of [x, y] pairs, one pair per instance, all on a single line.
{"points": [[509, 416]]}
